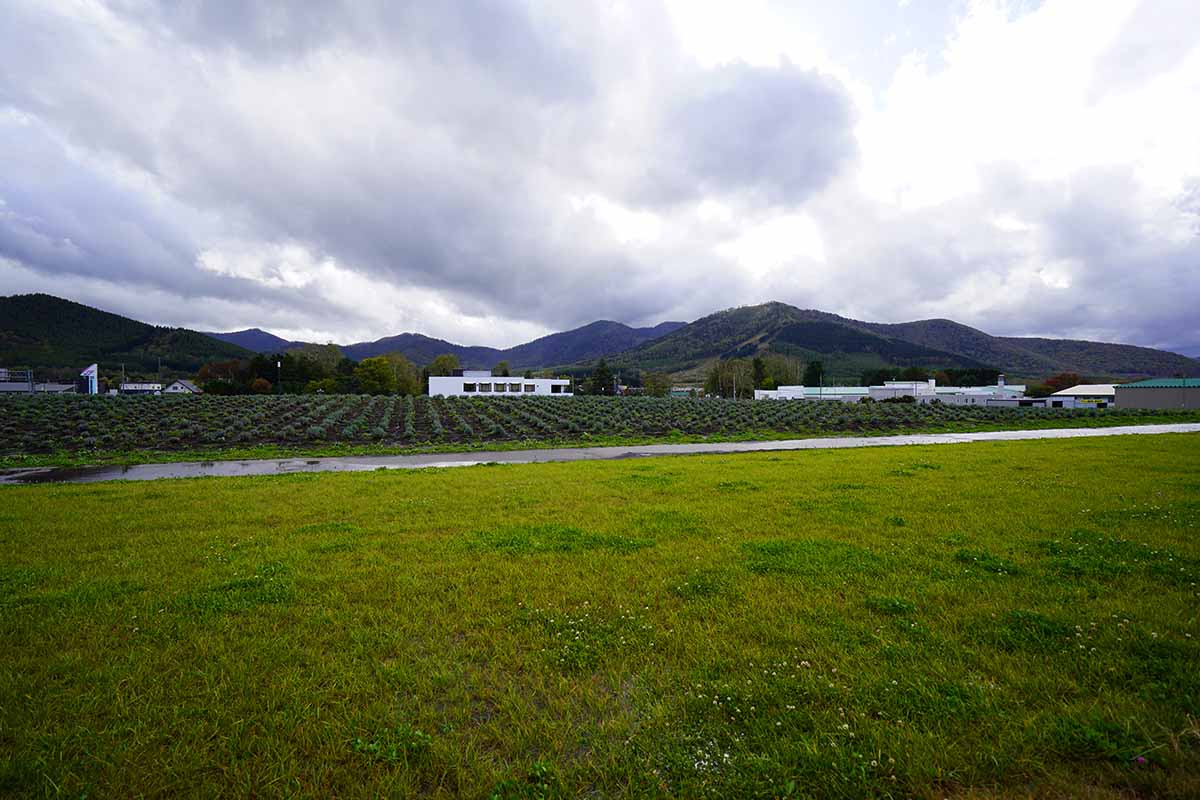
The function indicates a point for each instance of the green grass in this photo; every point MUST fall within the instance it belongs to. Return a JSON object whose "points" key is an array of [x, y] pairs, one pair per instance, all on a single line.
{"points": [[1005, 619]]}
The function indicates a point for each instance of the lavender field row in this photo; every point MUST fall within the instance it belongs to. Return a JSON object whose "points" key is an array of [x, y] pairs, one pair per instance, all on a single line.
{"points": [[47, 424]]}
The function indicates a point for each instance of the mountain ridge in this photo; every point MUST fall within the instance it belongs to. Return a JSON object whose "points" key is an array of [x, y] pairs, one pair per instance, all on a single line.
{"points": [[587, 342], [776, 327], [43, 331], [50, 333]]}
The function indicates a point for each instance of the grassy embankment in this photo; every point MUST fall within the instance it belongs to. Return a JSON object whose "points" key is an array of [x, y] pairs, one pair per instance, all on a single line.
{"points": [[160, 455], [1000, 619]]}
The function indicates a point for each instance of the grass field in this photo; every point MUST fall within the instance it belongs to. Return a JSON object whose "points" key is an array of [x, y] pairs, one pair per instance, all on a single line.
{"points": [[1002, 619]]}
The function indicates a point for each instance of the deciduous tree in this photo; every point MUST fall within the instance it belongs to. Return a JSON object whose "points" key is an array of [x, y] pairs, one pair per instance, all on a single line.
{"points": [[658, 384], [375, 376], [444, 365]]}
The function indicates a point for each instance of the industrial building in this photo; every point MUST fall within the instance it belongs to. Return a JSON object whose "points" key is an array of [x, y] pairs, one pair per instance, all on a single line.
{"points": [[921, 391], [1089, 395], [1160, 393], [482, 383]]}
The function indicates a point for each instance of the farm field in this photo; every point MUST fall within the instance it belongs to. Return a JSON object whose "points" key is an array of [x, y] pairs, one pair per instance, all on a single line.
{"points": [[74, 429], [1006, 619]]}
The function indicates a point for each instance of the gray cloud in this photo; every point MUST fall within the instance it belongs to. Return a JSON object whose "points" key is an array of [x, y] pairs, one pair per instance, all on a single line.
{"points": [[421, 145], [1074, 264], [467, 153], [778, 134], [1156, 37]]}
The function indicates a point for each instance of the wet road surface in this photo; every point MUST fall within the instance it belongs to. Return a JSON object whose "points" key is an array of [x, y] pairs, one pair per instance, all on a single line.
{"points": [[195, 469]]}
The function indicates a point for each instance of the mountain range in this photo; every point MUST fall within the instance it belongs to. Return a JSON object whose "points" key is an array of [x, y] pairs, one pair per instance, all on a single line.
{"points": [[849, 347], [592, 341], [51, 333]]}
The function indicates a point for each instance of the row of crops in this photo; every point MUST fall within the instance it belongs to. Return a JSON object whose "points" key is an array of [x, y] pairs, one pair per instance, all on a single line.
{"points": [[49, 423]]}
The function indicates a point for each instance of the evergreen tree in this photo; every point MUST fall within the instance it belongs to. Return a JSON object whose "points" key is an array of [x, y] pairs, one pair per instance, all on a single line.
{"points": [[813, 373], [601, 381]]}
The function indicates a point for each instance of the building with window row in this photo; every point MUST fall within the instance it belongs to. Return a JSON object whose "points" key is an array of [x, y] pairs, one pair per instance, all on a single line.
{"points": [[482, 383]]}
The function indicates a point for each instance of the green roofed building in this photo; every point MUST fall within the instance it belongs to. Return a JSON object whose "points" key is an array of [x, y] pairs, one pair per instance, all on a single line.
{"points": [[1159, 393]]}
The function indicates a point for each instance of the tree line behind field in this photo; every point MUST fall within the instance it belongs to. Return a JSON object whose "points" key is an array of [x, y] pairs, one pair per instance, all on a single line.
{"points": [[322, 369], [325, 370]]}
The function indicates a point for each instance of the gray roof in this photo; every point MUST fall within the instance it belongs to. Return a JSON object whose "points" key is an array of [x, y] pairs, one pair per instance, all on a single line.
{"points": [[1088, 390]]}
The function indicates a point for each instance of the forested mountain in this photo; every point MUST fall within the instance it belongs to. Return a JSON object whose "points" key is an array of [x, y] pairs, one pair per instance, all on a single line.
{"points": [[596, 340], [849, 347], [51, 334], [1102, 358], [589, 342], [1039, 356], [421, 349], [258, 340]]}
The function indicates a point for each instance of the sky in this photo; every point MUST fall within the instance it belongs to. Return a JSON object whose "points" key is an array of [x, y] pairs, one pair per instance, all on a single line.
{"points": [[489, 172]]}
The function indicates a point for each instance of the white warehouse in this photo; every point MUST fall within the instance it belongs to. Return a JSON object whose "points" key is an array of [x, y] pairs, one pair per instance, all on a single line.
{"points": [[482, 383], [921, 391]]}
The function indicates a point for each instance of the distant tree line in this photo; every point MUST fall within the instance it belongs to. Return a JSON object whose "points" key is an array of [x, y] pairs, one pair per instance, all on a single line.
{"points": [[739, 377], [321, 370]]}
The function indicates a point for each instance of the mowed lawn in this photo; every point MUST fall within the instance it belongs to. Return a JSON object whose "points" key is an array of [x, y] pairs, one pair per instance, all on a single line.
{"points": [[1002, 619]]}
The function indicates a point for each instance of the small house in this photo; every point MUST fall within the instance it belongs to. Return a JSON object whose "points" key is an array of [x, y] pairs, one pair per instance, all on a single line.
{"points": [[183, 387]]}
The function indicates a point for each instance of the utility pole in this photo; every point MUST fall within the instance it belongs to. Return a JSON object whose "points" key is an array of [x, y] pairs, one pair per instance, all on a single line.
{"points": [[278, 372]]}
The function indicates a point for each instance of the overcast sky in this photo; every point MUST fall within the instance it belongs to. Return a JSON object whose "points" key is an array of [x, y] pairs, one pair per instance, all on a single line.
{"points": [[490, 171]]}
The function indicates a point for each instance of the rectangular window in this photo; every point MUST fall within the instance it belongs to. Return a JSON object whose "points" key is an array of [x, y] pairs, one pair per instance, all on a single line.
{"points": [[514, 387], [556, 388], [468, 387], [485, 387], [529, 387], [1056, 403]]}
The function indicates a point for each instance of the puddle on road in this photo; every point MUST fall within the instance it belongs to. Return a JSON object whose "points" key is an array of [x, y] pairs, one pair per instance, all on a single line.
{"points": [[229, 469]]}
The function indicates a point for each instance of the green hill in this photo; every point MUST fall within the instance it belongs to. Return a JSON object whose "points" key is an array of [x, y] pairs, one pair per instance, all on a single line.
{"points": [[53, 335], [848, 347], [594, 340]]}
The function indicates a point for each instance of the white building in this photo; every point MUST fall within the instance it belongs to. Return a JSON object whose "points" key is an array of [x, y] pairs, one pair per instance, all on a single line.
{"points": [[1089, 395], [921, 391], [482, 383], [141, 388], [183, 387]]}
